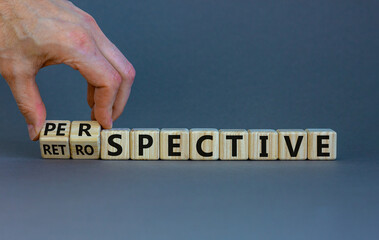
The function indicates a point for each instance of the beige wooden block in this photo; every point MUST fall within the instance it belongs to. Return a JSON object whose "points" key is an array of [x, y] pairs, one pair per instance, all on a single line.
{"points": [[144, 144], [115, 144], [85, 140], [292, 144], [204, 144], [322, 144], [233, 144], [263, 144], [174, 144], [54, 139]]}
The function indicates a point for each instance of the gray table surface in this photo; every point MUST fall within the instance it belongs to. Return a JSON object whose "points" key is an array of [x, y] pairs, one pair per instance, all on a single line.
{"points": [[221, 64], [69, 199]]}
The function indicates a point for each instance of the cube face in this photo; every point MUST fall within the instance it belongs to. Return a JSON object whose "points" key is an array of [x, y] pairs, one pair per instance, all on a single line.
{"points": [[54, 140], [85, 140], [233, 144], [204, 144], [174, 144], [115, 144], [322, 144], [292, 144], [144, 144], [263, 144]]}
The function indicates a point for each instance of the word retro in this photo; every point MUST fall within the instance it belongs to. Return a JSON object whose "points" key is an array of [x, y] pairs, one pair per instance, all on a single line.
{"points": [[86, 140]]}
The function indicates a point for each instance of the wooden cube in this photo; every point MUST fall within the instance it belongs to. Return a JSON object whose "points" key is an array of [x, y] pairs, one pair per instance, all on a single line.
{"points": [[54, 139], [174, 144], [263, 144], [292, 144], [85, 140], [233, 144], [204, 144], [115, 144], [322, 144], [144, 144]]}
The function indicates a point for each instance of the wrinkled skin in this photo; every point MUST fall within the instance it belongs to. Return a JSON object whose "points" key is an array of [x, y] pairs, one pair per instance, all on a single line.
{"points": [[39, 33]]}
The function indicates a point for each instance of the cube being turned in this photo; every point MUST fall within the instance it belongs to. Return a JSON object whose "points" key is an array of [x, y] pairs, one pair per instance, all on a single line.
{"points": [[144, 144], [292, 144], [54, 140], [233, 144], [85, 140], [322, 144], [174, 144], [204, 144]]}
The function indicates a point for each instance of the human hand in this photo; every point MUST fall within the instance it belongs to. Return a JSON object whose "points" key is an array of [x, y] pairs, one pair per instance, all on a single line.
{"points": [[38, 33]]}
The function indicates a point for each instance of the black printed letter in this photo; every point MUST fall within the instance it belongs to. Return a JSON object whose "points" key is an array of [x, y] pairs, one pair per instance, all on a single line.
{"points": [[115, 145], [263, 146], [234, 144], [84, 127], [141, 145], [61, 129], [293, 152], [49, 127], [320, 146], [198, 146], [172, 145]]}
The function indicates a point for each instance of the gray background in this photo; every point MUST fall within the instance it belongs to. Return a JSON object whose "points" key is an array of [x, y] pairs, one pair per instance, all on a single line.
{"points": [[222, 64]]}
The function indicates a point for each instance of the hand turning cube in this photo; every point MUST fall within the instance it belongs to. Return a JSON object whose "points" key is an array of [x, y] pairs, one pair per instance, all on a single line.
{"points": [[86, 140]]}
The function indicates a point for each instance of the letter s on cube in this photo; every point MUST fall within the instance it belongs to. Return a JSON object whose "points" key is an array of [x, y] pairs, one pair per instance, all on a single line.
{"points": [[115, 144]]}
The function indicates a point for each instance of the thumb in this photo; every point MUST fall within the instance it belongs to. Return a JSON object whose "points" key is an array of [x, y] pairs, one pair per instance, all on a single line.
{"points": [[29, 101]]}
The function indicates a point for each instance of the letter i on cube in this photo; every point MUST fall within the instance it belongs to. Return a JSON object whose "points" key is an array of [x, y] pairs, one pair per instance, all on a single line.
{"points": [[263, 144], [86, 140]]}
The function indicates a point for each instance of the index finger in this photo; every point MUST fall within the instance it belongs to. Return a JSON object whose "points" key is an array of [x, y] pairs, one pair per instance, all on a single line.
{"points": [[105, 80]]}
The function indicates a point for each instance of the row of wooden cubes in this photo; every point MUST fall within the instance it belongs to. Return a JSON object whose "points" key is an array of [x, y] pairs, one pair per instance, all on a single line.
{"points": [[86, 140]]}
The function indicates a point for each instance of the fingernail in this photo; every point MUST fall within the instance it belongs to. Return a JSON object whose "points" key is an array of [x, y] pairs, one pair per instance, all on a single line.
{"points": [[32, 132], [111, 122]]}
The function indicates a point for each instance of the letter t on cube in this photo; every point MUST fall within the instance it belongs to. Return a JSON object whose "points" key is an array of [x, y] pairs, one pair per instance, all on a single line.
{"points": [[54, 140], [233, 144]]}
